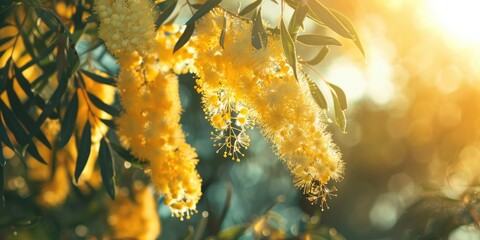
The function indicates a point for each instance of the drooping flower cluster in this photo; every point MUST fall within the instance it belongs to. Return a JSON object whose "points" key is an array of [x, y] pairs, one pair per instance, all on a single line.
{"points": [[149, 125], [242, 86]]}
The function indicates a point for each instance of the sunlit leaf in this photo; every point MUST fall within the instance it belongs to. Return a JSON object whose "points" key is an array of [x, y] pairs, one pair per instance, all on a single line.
{"points": [[319, 57], [259, 35], [250, 7], [68, 121], [310, 39], [346, 22], [316, 93], [84, 148], [296, 22], [107, 170], [186, 35], [103, 106], [342, 99], [203, 10], [323, 14], [233, 232], [340, 119], [288, 47]]}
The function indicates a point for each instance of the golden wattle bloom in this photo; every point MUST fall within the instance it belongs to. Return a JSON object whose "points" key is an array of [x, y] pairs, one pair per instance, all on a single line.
{"points": [[149, 124], [242, 86]]}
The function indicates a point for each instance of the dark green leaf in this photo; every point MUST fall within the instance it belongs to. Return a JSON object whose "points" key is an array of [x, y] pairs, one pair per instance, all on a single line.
{"points": [[4, 136], [342, 99], [323, 14], [4, 78], [187, 34], [316, 93], [23, 116], [23, 82], [346, 22], [97, 78], [288, 47], [297, 20], [109, 122], [319, 57], [311, 39], [224, 30], [103, 106], [5, 40], [106, 168], [250, 7], [340, 119], [203, 10], [44, 53], [126, 155], [47, 17], [259, 35], [84, 148], [165, 14], [3, 161], [68, 121]]}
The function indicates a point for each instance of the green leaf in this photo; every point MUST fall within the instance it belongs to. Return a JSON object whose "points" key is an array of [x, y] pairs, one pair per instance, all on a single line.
{"points": [[97, 78], [22, 81], [109, 122], [316, 93], [23, 116], [68, 121], [224, 30], [4, 136], [342, 99], [5, 40], [319, 57], [107, 170], [165, 14], [259, 35], [340, 118], [250, 7], [323, 14], [186, 35], [310, 39], [346, 22], [233, 232], [84, 148], [203, 10], [127, 155], [296, 22], [288, 47], [47, 17], [103, 106], [3, 161]]}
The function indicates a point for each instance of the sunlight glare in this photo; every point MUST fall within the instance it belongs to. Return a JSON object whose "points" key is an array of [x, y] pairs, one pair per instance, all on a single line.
{"points": [[457, 19]]}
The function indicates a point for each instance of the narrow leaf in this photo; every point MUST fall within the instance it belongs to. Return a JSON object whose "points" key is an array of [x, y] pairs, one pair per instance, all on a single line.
{"points": [[310, 39], [103, 106], [250, 7], [110, 123], [4, 136], [165, 14], [23, 82], [68, 121], [346, 22], [342, 99], [288, 47], [259, 35], [3, 161], [186, 35], [224, 30], [296, 22], [107, 170], [126, 155], [319, 57], [5, 40], [316, 93], [340, 119], [84, 148], [321, 13], [203, 10], [97, 78], [2, 182]]}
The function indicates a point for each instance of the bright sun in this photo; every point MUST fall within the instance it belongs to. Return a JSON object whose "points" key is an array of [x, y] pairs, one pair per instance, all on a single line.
{"points": [[458, 19]]}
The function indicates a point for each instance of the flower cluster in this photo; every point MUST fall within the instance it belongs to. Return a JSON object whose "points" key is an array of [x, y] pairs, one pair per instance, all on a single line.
{"points": [[134, 219], [149, 125], [242, 86]]}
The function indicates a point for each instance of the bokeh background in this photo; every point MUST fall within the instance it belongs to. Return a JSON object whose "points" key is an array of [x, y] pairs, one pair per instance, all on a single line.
{"points": [[413, 131]]}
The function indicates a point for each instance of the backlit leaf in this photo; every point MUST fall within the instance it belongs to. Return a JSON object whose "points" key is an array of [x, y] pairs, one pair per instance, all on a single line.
{"points": [[316, 93], [288, 47], [250, 7], [311, 39], [259, 35], [84, 148], [107, 170], [165, 14], [340, 119], [186, 35], [296, 22], [203, 10], [68, 121], [319, 57], [346, 22], [103, 106], [323, 14]]}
